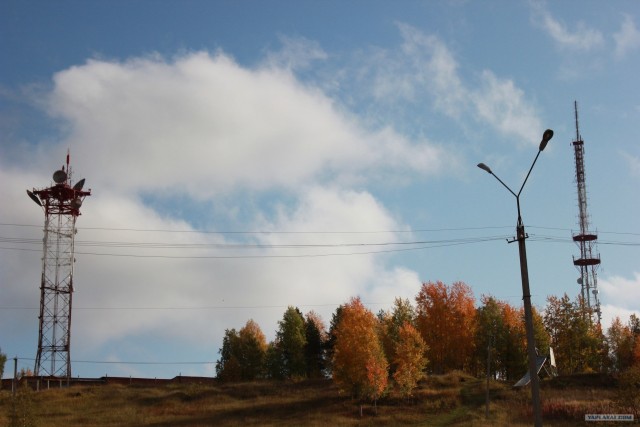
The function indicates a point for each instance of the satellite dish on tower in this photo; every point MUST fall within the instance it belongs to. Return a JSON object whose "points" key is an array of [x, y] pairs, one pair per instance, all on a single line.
{"points": [[59, 176], [34, 198], [76, 203], [79, 185]]}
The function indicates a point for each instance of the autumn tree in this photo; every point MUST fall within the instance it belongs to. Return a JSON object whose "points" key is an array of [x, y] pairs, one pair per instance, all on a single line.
{"points": [[577, 341], [253, 350], [359, 364], [624, 344], [446, 321], [410, 360], [242, 356], [390, 323]]}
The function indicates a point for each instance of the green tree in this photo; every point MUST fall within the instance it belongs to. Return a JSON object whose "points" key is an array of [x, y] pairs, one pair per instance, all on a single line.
{"points": [[273, 362], [511, 344], [390, 324], [314, 349], [290, 344], [577, 341], [490, 327], [228, 366], [329, 345]]}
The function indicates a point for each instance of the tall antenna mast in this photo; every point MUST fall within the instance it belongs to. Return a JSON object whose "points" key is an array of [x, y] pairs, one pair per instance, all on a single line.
{"points": [[61, 204], [588, 261]]}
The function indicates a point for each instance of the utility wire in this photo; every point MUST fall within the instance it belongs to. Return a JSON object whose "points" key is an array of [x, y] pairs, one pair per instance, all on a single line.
{"points": [[317, 255], [253, 232], [269, 231]]}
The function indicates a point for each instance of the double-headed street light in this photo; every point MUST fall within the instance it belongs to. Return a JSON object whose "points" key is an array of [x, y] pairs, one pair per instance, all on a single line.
{"points": [[526, 293]]}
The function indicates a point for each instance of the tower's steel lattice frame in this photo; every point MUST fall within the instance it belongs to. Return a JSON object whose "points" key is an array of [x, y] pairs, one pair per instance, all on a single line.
{"points": [[61, 204], [586, 240]]}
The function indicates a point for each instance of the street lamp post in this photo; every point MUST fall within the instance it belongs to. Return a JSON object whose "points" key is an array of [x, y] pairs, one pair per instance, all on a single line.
{"points": [[526, 293]]}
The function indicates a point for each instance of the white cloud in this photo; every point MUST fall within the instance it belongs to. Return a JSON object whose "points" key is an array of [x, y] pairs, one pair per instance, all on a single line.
{"points": [[206, 126], [425, 68], [627, 39], [503, 105], [619, 297], [436, 68], [581, 37]]}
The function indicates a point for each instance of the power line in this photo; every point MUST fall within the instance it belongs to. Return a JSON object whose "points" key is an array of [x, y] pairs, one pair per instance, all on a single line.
{"points": [[254, 232], [422, 246], [163, 245], [270, 231]]}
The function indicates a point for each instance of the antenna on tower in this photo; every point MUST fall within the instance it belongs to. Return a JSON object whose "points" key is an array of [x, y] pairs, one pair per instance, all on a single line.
{"points": [[61, 204], [575, 108], [588, 262]]}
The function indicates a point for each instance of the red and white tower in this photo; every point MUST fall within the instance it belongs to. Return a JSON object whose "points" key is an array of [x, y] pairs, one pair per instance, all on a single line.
{"points": [[61, 203], [589, 260]]}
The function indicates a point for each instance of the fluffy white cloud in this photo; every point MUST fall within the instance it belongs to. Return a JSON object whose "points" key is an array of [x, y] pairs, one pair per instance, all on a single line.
{"points": [[628, 38], [204, 125], [621, 297]]}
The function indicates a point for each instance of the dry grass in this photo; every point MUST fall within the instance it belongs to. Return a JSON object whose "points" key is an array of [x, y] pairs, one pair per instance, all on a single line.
{"points": [[454, 399]]}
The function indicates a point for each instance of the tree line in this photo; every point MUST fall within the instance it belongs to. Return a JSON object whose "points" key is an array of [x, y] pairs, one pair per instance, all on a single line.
{"points": [[441, 331]]}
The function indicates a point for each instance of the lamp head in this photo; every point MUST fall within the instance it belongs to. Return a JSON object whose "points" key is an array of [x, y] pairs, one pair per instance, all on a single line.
{"points": [[485, 168], [546, 136]]}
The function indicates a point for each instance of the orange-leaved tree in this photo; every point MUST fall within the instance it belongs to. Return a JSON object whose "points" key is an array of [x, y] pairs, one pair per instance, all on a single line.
{"points": [[360, 367], [446, 317]]}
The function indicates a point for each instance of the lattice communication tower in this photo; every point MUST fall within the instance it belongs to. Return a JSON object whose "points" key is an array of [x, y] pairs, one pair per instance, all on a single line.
{"points": [[589, 260], [61, 203]]}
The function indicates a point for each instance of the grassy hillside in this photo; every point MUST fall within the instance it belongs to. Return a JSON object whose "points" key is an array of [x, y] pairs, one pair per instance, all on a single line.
{"points": [[454, 399]]}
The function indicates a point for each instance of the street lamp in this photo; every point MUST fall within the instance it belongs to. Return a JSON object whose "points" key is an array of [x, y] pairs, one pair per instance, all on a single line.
{"points": [[526, 293]]}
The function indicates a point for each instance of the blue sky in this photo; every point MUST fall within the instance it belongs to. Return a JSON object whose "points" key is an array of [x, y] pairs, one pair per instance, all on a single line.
{"points": [[301, 153]]}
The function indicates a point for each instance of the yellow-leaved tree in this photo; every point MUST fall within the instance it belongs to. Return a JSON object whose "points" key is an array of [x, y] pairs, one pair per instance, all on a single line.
{"points": [[410, 359]]}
